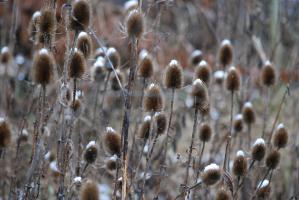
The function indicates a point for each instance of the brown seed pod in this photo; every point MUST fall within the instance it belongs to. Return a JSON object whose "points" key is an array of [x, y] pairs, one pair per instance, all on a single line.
{"points": [[89, 191], [114, 83], [111, 163], [98, 70], [5, 55], [47, 26], [238, 123], [153, 99], [281, 137], [161, 122], [258, 150], [112, 141], [240, 164], [77, 107], [84, 44], [81, 14], [200, 93], [205, 132], [34, 25], [43, 67], [114, 58], [272, 159], [211, 174], [77, 65], [264, 189], [223, 194], [196, 57], [144, 130], [5, 133], [233, 80], [248, 113], [174, 75], [146, 67], [268, 75], [91, 152], [134, 24], [203, 72], [226, 53]]}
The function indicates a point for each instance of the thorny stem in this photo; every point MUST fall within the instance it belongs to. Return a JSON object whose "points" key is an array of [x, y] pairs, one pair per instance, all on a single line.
{"points": [[199, 161]]}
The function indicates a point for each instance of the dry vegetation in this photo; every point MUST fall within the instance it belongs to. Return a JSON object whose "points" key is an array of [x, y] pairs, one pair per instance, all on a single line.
{"points": [[114, 100]]}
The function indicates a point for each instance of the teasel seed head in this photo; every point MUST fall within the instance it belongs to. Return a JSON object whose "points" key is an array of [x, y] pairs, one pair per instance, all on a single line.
{"points": [[238, 123], [5, 133], [226, 53], [135, 24], [258, 150], [77, 107], [144, 130], [98, 70], [77, 64], [114, 83], [111, 163], [240, 164], [174, 77], [161, 122], [146, 66], [81, 14], [47, 26], [223, 194], [248, 113], [43, 67], [272, 159], [91, 152], [211, 174], [203, 72], [5, 55], [205, 132], [153, 99], [89, 191], [84, 44], [114, 58], [34, 25], [196, 57], [220, 76], [112, 141], [264, 189], [130, 5], [23, 137], [200, 94], [268, 75], [100, 52], [233, 80], [281, 137]]}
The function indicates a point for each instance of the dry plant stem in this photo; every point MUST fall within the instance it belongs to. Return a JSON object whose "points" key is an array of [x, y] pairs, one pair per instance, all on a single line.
{"points": [[266, 111], [126, 119], [261, 183], [249, 135], [191, 146], [105, 91], [199, 162], [228, 140], [278, 113], [95, 104]]}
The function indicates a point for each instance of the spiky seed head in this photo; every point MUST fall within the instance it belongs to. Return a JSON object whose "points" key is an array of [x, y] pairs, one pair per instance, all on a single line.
{"points": [[84, 44], [226, 53], [34, 25], [258, 150], [114, 58], [281, 137], [112, 141], [146, 66], [5, 133], [264, 189], [205, 132], [161, 122], [100, 52], [238, 123], [130, 5], [268, 75], [174, 77], [98, 70], [272, 159], [77, 107], [196, 57], [5, 55], [219, 76], [77, 64], [240, 164], [111, 163], [114, 83], [81, 14], [200, 94], [153, 99], [43, 67], [135, 24], [248, 113], [144, 130], [211, 174], [47, 26], [89, 191], [233, 79], [91, 152], [203, 72], [223, 194]]}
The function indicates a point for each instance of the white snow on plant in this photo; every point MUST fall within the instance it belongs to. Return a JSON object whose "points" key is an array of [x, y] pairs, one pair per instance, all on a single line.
{"points": [[90, 144], [259, 141], [248, 105], [263, 184], [240, 153], [212, 166], [173, 62]]}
